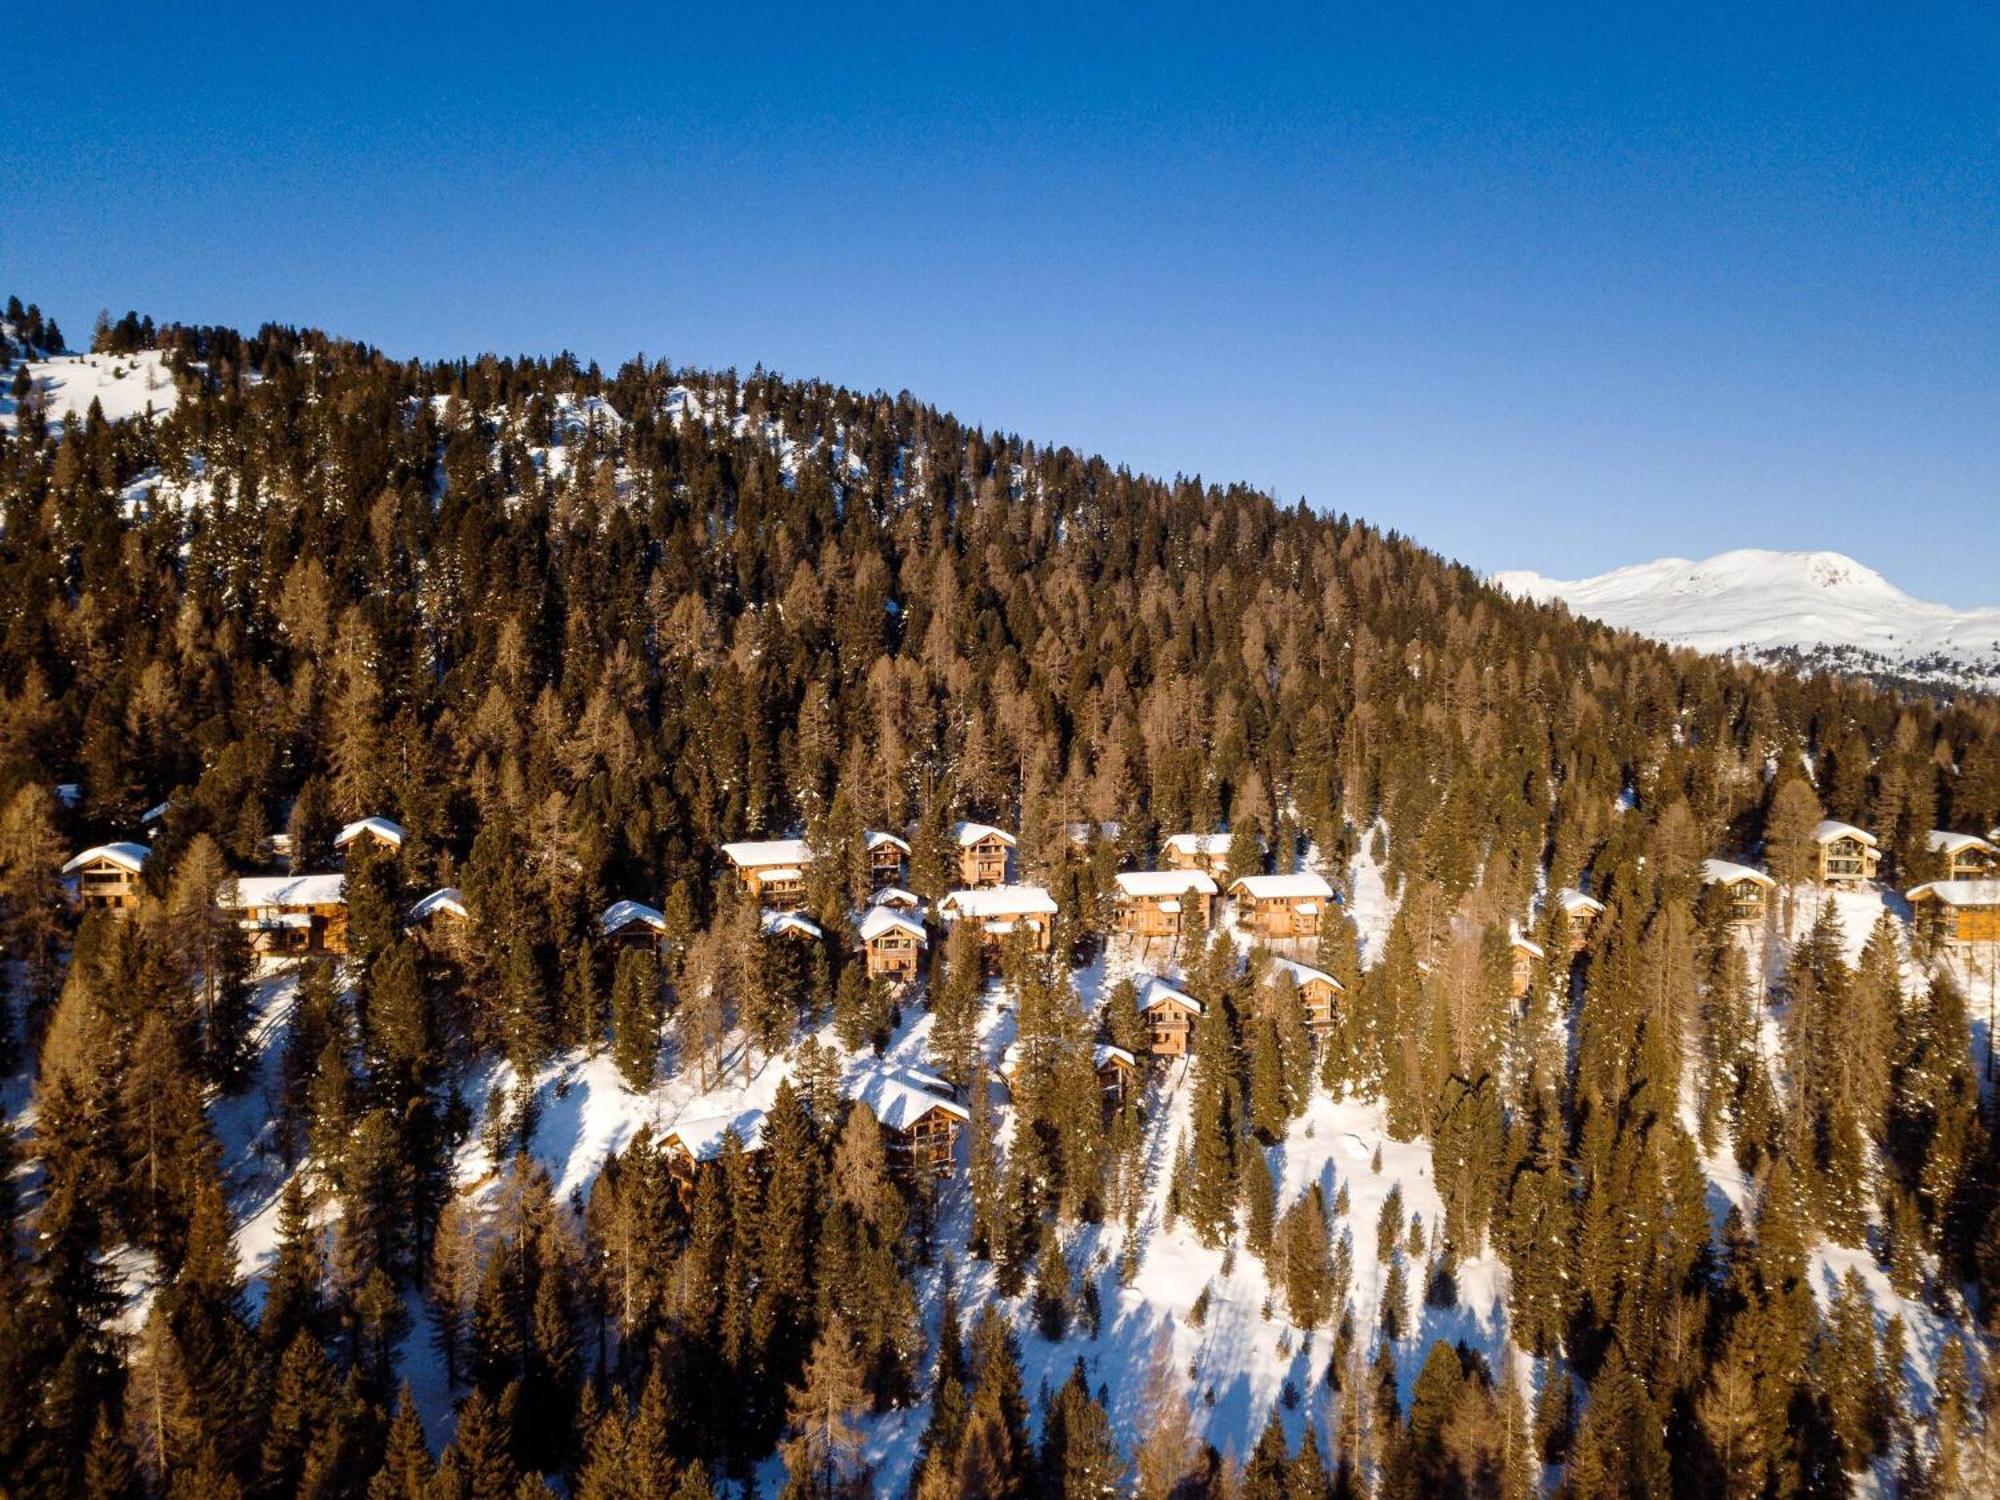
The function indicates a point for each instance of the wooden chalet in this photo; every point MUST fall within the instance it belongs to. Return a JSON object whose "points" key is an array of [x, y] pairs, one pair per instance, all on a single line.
{"points": [[1280, 908], [1580, 914], [1170, 1014], [1117, 1072], [1524, 953], [1965, 856], [1164, 903], [1319, 993], [772, 872], [892, 944], [107, 878], [290, 915], [897, 899], [983, 852], [789, 924], [1198, 851], [632, 924], [1000, 911], [696, 1143], [441, 918], [920, 1120], [1844, 854], [888, 860], [1958, 913], [370, 835], [1748, 890]]}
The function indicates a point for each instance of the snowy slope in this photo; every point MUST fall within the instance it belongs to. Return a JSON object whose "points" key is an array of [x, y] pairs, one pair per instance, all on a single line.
{"points": [[124, 385], [1826, 608]]}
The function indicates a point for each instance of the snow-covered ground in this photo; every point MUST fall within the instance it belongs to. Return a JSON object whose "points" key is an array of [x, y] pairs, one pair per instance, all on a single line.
{"points": [[1836, 611], [124, 385]]}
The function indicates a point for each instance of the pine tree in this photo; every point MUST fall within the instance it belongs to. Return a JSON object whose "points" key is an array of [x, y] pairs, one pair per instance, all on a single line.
{"points": [[635, 1018], [823, 1454]]}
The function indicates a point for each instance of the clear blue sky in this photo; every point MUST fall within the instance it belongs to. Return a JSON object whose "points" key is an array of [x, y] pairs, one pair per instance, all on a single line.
{"points": [[1562, 290]]}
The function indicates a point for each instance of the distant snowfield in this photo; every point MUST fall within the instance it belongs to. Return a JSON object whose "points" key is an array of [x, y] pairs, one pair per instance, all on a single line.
{"points": [[1835, 611], [124, 385]]}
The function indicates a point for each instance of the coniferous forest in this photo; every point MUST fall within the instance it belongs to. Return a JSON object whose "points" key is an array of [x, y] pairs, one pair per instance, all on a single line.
{"points": [[1657, 1201]]}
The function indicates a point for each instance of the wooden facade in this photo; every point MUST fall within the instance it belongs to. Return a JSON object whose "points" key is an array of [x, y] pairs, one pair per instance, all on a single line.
{"points": [[1164, 903], [892, 944], [983, 852], [888, 860], [1170, 1016], [1524, 954], [1280, 908], [1580, 914], [369, 836], [771, 872], [697, 1145], [1001, 911], [1958, 913], [632, 924], [1844, 854], [107, 878], [1117, 1074], [1208, 852], [1965, 856], [291, 915], [1318, 991], [1748, 891]]}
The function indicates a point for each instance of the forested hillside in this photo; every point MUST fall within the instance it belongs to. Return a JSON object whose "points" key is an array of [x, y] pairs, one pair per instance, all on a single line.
{"points": [[1704, 1212]]}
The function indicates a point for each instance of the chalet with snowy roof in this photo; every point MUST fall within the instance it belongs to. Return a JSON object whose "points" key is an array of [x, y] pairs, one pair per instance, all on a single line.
{"points": [[632, 924], [772, 871], [442, 911], [1748, 890], [1170, 1014], [1965, 856], [106, 878], [1958, 913], [789, 924], [919, 1117], [999, 911], [1319, 993], [1198, 851], [1844, 854], [1523, 954], [701, 1141], [1280, 908], [983, 852], [1580, 914], [1116, 1069], [892, 944], [888, 859], [372, 835], [897, 899], [1163, 903], [290, 915]]}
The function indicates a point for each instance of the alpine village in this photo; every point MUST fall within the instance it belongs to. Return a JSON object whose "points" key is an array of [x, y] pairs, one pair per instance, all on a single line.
{"points": [[665, 933]]}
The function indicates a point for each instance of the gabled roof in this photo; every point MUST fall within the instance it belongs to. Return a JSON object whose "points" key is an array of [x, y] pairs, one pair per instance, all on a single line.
{"points": [[624, 913], [1958, 892], [1302, 886], [758, 854], [1165, 882], [998, 901], [704, 1136], [1155, 992], [901, 1099], [1519, 941], [790, 924], [1199, 843], [965, 835], [895, 895], [1104, 1054], [126, 856], [1829, 829], [446, 899], [878, 921], [258, 891], [382, 828], [1304, 973], [1572, 901], [1723, 872], [1939, 841], [873, 841]]}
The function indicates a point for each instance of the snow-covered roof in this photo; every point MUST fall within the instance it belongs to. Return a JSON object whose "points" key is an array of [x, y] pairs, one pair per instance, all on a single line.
{"points": [[1305, 885], [1724, 872], [895, 895], [256, 892], [1523, 943], [624, 913], [901, 1099], [382, 828], [1104, 1054], [126, 856], [1165, 882], [1155, 991], [1572, 901], [1199, 843], [1960, 892], [760, 854], [873, 841], [152, 814], [1303, 973], [790, 924], [446, 899], [703, 1137], [1941, 841], [965, 835], [1829, 829], [878, 921], [997, 902]]}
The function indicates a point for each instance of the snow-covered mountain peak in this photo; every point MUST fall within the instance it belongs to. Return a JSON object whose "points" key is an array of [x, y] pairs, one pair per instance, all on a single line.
{"points": [[1819, 608]]}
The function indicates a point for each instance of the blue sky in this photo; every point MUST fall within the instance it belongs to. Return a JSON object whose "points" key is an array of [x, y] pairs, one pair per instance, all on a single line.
{"points": [[1542, 286]]}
